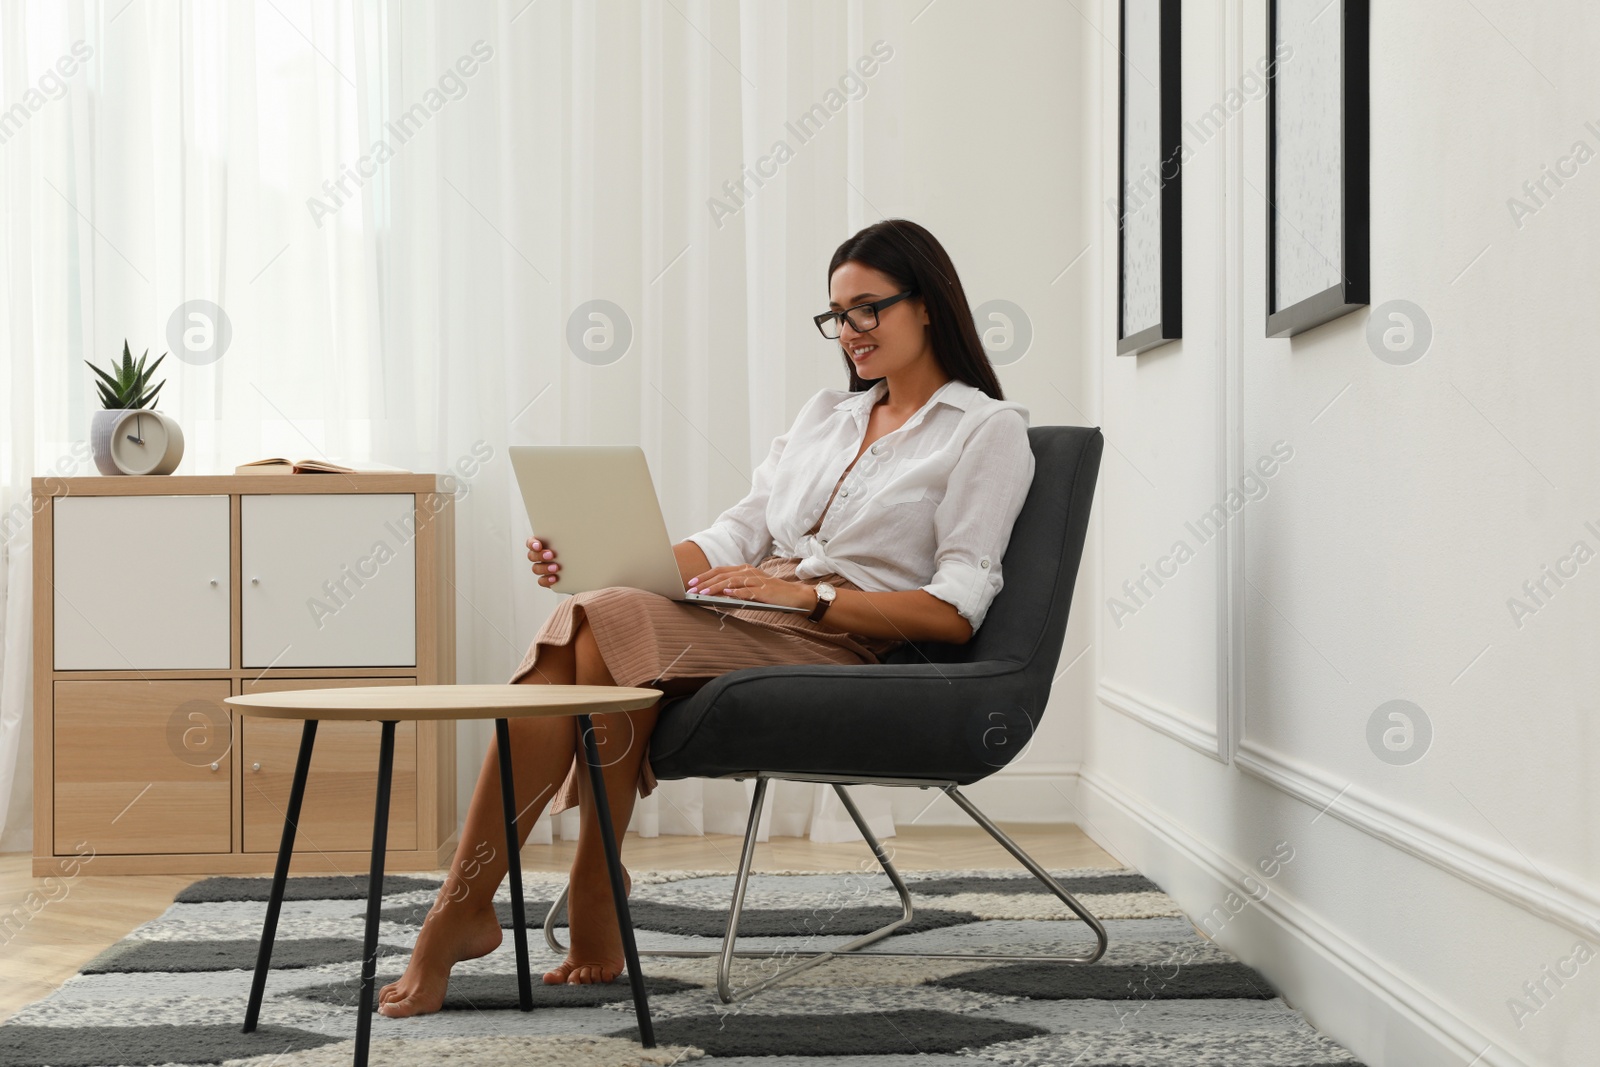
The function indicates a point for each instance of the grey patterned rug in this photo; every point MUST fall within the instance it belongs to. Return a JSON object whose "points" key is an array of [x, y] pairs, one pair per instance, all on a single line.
{"points": [[174, 991]]}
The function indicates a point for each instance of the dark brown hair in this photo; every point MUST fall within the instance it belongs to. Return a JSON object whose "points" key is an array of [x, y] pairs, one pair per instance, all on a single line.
{"points": [[915, 259]]}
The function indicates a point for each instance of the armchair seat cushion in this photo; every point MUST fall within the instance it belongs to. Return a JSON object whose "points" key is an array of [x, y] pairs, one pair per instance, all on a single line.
{"points": [[857, 722]]}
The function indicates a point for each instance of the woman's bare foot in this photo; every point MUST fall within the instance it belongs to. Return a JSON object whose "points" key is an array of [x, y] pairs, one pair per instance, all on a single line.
{"points": [[595, 951], [452, 932]]}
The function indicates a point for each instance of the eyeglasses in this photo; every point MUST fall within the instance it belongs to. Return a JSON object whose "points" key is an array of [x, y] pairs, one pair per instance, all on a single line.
{"points": [[863, 317]]}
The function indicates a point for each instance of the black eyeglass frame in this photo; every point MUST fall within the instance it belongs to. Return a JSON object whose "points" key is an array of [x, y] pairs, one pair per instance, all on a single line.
{"points": [[877, 307]]}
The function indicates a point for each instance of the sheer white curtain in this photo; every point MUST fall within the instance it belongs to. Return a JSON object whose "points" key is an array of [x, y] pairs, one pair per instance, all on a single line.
{"points": [[405, 213]]}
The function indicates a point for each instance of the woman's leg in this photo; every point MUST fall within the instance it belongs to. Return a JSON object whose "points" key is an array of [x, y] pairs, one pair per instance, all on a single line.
{"points": [[462, 924]]}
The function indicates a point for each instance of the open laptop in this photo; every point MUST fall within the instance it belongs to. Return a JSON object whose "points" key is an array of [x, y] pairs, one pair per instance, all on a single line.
{"points": [[598, 506]]}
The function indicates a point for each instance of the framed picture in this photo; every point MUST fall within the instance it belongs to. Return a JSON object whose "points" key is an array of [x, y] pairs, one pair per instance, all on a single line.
{"points": [[1318, 214], [1149, 179]]}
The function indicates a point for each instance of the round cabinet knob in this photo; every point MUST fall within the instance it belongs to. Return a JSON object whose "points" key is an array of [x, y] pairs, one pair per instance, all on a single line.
{"points": [[255, 766], [213, 766], [255, 581], [213, 581]]}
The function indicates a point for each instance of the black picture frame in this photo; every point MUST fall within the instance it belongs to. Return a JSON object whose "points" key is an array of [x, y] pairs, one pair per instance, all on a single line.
{"points": [[1169, 272], [1353, 289]]}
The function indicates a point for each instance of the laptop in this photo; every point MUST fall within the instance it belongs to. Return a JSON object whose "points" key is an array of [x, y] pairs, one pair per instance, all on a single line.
{"points": [[598, 506]]}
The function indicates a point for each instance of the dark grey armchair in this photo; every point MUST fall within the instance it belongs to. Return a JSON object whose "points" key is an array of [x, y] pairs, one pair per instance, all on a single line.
{"points": [[932, 715]]}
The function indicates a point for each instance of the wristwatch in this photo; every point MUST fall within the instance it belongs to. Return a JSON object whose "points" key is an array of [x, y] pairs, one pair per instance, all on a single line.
{"points": [[825, 595]]}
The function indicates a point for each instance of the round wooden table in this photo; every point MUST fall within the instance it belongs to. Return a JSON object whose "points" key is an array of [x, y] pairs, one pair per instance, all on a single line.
{"points": [[391, 704]]}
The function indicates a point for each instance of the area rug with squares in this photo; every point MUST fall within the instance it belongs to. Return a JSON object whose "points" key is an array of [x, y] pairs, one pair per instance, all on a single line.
{"points": [[174, 991]]}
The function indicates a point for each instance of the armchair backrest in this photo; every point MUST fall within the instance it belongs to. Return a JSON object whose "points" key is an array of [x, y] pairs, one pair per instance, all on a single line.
{"points": [[1027, 622]]}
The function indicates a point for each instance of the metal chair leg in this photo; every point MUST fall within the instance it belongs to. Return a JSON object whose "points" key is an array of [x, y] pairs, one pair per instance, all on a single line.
{"points": [[881, 855], [1038, 872], [519, 926], [740, 883], [380, 845], [727, 994], [1016, 850], [550, 938], [280, 875], [725, 991]]}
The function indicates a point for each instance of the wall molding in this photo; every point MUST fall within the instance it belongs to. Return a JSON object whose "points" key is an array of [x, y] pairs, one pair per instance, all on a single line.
{"points": [[1342, 989], [1162, 718], [1558, 897], [1231, 322]]}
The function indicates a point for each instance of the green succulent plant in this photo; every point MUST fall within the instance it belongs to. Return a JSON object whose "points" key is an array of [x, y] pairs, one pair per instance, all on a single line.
{"points": [[128, 386]]}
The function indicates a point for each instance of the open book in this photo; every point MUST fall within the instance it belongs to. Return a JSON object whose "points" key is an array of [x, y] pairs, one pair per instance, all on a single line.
{"points": [[278, 465]]}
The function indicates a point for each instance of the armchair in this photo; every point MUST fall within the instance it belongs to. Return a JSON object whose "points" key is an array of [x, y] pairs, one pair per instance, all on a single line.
{"points": [[933, 715]]}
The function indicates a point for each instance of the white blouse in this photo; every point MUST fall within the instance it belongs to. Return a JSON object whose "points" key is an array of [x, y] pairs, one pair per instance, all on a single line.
{"points": [[928, 506]]}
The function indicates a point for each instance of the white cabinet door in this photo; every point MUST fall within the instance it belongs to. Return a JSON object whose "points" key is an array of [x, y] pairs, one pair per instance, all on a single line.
{"points": [[141, 583], [328, 580]]}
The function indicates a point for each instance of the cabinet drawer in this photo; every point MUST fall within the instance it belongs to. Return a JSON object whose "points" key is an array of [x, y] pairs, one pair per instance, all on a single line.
{"points": [[336, 815], [328, 580], [143, 767], [141, 583]]}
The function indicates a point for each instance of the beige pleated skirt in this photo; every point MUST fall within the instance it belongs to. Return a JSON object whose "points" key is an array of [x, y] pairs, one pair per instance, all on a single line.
{"points": [[656, 642]]}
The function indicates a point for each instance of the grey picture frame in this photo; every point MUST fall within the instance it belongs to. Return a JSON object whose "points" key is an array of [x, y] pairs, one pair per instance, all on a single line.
{"points": [[1150, 275]]}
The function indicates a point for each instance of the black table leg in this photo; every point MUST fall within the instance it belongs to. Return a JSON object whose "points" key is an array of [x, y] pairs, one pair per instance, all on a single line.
{"points": [[519, 925], [619, 892], [380, 844], [280, 875]]}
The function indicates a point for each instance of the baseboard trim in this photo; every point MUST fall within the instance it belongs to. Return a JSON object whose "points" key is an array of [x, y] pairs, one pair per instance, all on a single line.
{"points": [[1342, 990], [1553, 895], [1160, 718]]}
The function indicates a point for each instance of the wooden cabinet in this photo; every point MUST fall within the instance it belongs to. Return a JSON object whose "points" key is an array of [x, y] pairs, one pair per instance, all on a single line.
{"points": [[336, 813], [156, 597]]}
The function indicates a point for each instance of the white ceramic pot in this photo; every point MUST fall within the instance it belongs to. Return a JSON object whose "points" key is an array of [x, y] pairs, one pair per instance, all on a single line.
{"points": [[100, 428]]}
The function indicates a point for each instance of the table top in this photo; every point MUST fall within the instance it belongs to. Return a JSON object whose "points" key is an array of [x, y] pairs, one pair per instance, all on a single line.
{"points": [[404, 703]]}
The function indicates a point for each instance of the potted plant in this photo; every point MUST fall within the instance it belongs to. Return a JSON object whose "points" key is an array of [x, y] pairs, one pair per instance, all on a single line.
{"points": [[123, 390]]}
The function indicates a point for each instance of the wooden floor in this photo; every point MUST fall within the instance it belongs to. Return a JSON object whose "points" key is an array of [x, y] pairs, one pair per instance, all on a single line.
{"points": [[68, 923]]}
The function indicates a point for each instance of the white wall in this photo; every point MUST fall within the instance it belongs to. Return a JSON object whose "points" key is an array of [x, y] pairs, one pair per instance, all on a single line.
{"points": [[1234, 704]]}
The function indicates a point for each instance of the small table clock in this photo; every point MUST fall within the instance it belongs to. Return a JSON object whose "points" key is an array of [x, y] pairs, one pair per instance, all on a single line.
{"points": [[141, 441]]}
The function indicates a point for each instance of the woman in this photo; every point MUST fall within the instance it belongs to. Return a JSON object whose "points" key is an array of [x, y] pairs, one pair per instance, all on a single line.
{"points": [[909, 534]]}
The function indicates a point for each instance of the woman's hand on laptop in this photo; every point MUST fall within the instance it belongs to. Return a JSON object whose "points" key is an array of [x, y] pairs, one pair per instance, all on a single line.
{"points": [[752, 583], [544, 561]]}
